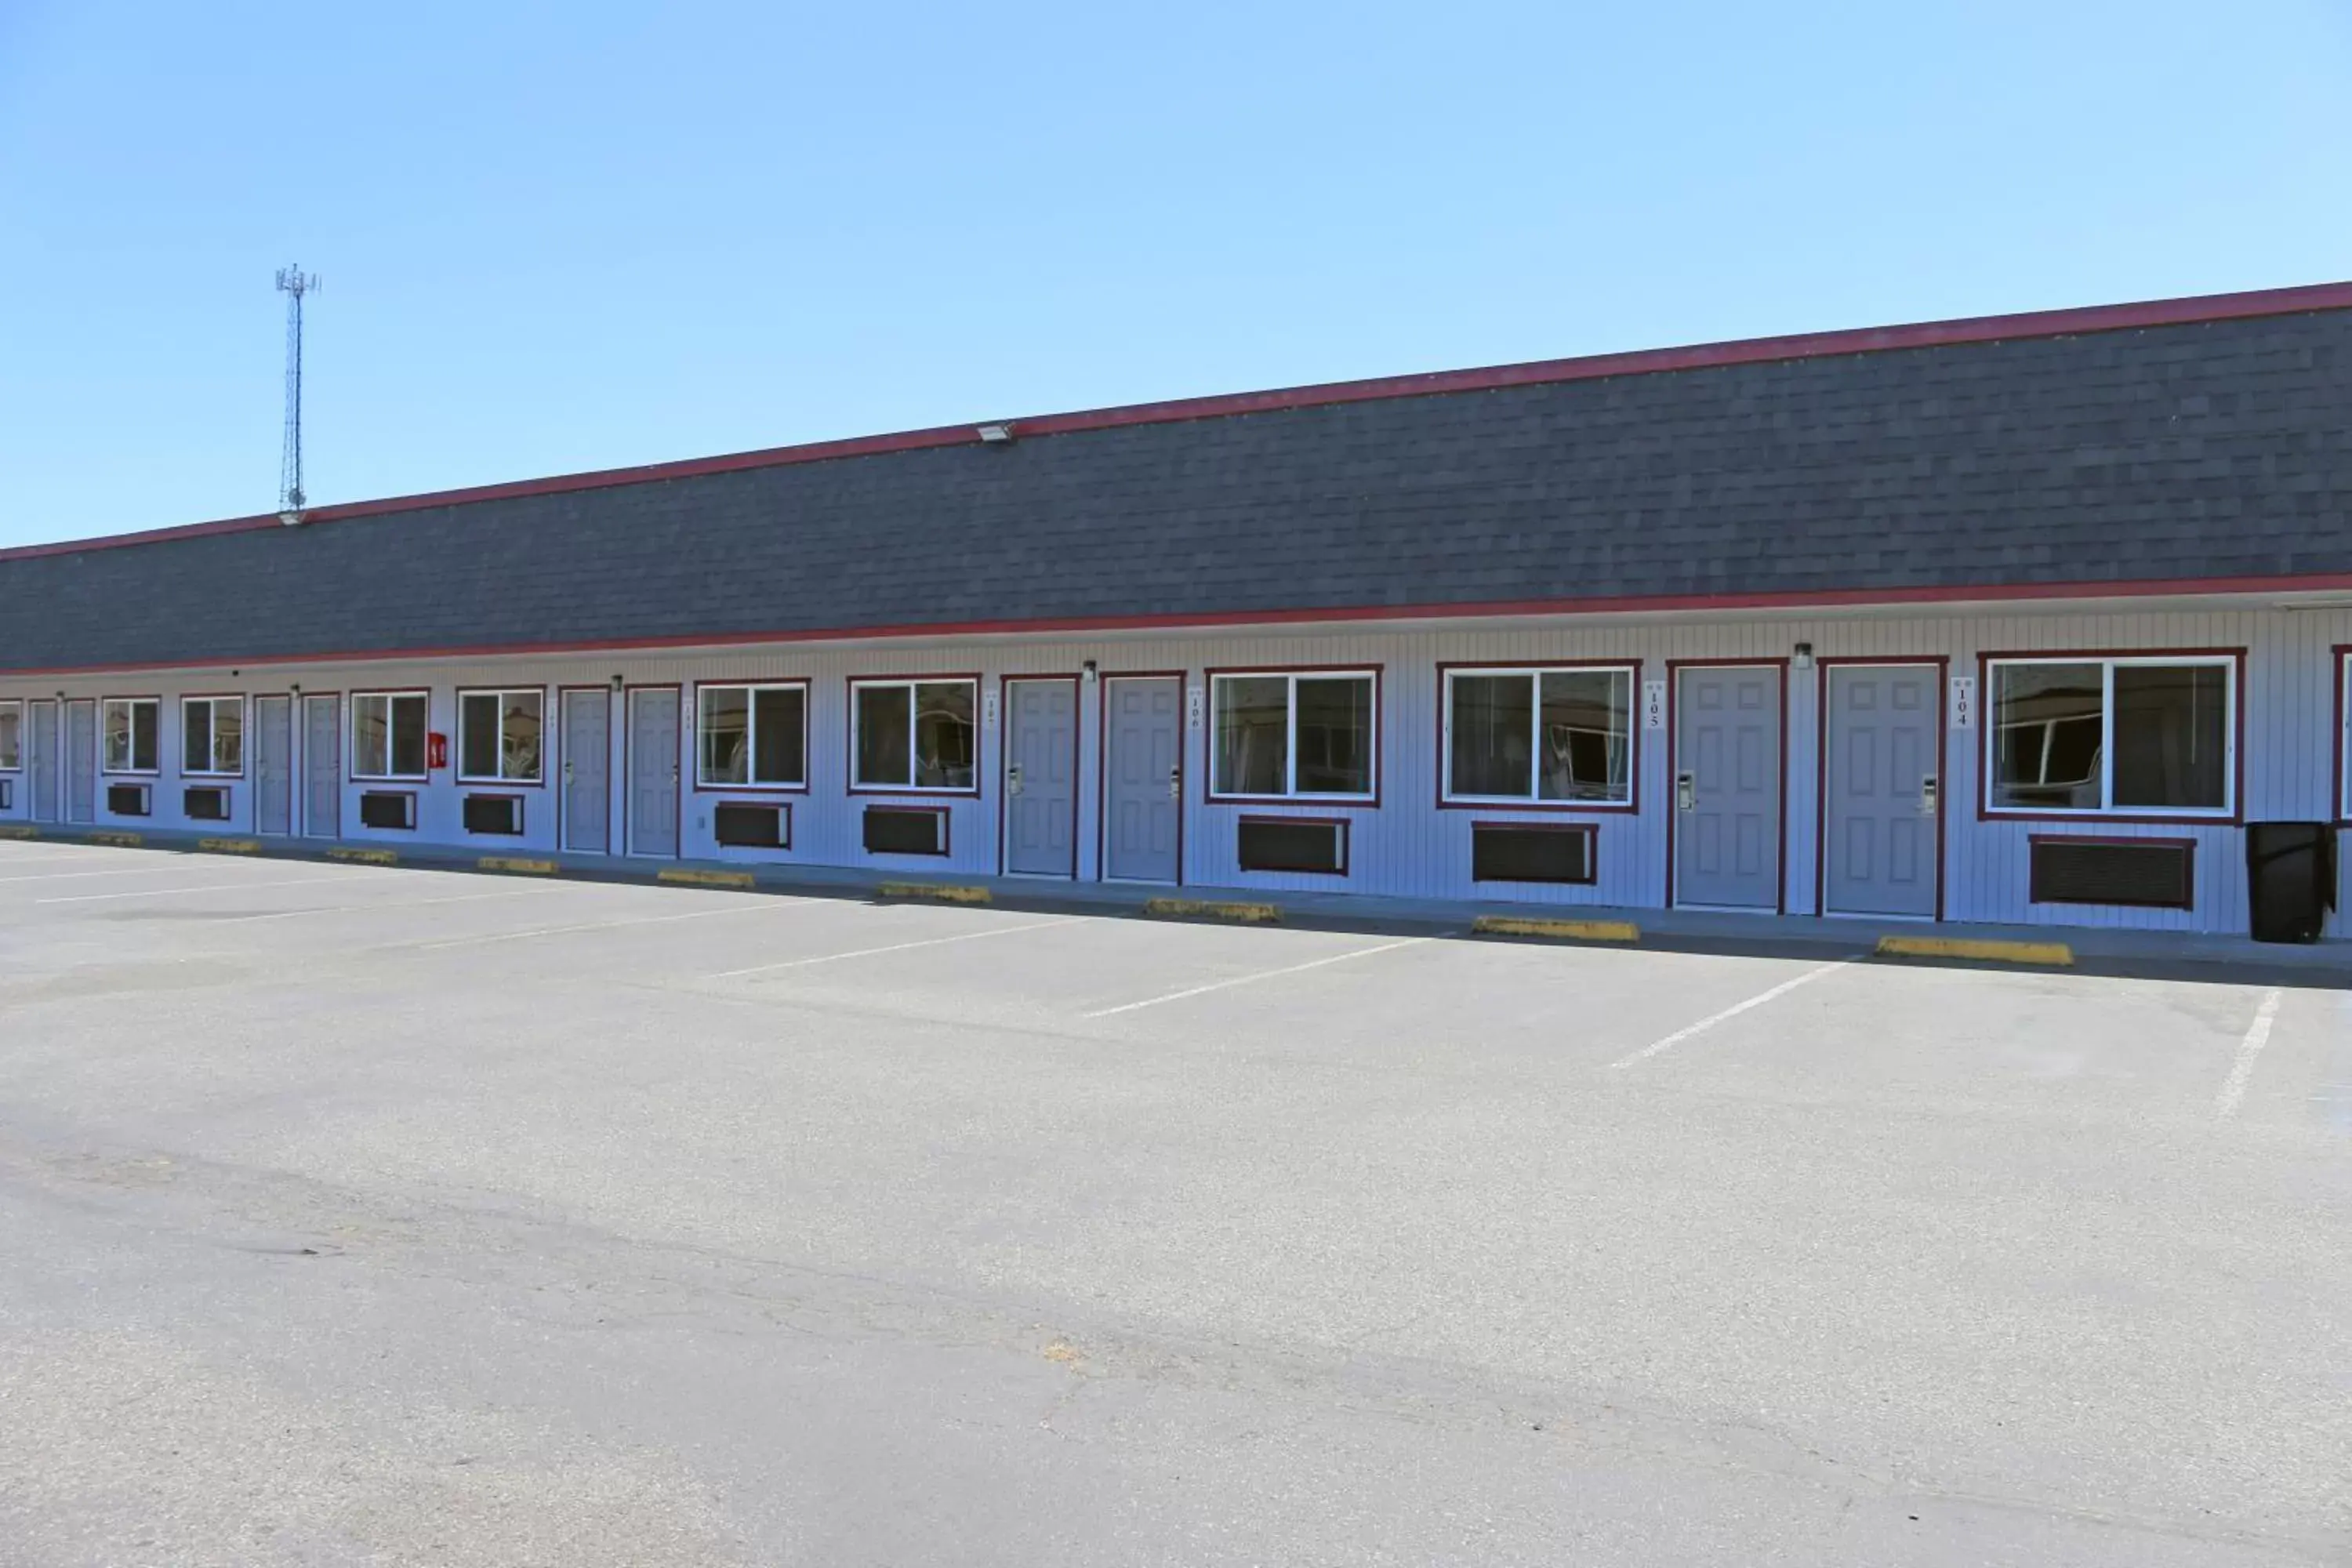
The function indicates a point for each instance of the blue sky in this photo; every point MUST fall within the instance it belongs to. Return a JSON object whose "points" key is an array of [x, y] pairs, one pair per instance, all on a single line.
{"points": [[576, 235]]}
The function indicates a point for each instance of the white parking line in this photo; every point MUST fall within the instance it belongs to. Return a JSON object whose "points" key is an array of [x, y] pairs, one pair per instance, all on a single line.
{"points": [[1252, 979], [764, 905], [208, 888], [1712, 1020], [894, 947], [2258, 1034], [174, 868], [403, 904]]}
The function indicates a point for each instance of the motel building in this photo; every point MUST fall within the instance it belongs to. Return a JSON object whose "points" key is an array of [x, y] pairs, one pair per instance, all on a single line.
{"points": [[2020, 620]]}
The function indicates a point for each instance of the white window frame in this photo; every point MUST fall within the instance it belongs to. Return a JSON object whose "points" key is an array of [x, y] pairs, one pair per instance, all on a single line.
{"points": [[2343, 735], [12, 761], [352, 737], [501, 693], [1533, 800], [1290, 790], [751, 691], [1989, 703], [211, 737], [914, 721], [106, 706]]}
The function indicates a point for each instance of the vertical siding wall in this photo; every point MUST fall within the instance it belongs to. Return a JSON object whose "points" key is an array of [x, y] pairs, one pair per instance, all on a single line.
{"points": [[2294, 727]]}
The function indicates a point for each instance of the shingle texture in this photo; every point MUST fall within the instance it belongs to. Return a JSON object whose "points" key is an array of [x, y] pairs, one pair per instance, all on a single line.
{"points": [[2214, 449]]}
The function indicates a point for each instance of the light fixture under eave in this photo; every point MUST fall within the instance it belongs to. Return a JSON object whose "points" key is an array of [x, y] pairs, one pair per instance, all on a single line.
{"points": [[995, 435], [2315, 603]]}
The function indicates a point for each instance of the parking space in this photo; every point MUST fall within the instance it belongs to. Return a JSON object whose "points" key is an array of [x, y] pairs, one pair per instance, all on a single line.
{"points": [[1739, 1235]]}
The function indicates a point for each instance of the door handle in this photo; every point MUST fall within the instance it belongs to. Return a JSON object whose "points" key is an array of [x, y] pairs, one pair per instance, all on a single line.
{"points": [[1012, 779], [1175, 784], [567, 770], [1928, 795], [1686, 791]]}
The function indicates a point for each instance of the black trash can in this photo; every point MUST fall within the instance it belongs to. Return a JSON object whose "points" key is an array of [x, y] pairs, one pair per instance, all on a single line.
{"points": [[2290, 878]]}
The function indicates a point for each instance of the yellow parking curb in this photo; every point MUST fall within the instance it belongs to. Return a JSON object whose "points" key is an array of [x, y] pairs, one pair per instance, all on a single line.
{"points": [[366, 856], [1567, 930], [1205, 909], [2057, 954], [120, 840], [18, 830], [688, 876], [943, 892], [230, 846], [516, 864]]}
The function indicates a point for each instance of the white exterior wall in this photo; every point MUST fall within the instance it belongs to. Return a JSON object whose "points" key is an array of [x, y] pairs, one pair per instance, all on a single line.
{"points": [[2293, 726]]}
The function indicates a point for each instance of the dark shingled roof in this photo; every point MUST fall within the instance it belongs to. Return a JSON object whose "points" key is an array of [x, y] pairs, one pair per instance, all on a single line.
{"points": [[2202, 450]]}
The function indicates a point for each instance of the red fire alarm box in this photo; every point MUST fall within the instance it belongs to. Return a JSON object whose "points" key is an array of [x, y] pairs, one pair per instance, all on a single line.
{"points": [[436, 752]]}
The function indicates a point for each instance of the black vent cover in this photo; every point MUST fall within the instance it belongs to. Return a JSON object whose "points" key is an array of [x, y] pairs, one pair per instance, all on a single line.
{"points": [[750, 824], [1287, 844], [126, 800], [205, 803], [1530, 852], [2154, 874], [493, 814], [906, 830], [387, 808]]}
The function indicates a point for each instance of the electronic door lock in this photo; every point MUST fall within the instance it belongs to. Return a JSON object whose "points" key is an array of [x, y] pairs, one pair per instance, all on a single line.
{"points": [[1175, 784], [1928, 795], [1685, 791], [1012, 779]]}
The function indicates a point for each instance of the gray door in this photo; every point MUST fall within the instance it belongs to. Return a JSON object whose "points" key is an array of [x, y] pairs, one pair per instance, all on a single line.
{"points": [[322, 767], [1727, 786], [587, 772], [1878, 849], [1143, 797], [81, 762], [273, 765], [1041, 777], [653, 770], [41, 759]]}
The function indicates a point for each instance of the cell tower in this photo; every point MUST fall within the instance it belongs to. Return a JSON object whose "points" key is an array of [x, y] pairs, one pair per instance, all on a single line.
{"points": [[294, 284]]}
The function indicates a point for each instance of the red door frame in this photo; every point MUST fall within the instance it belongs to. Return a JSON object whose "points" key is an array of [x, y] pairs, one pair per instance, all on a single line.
{"points": [[1942, 663], [1675, 667], [1004, 765], [1102, 763]]}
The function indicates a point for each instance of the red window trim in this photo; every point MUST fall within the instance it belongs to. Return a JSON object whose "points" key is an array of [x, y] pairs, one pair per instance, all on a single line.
{"points": [[1346, 825], [1209, 678], [2191, 844], [947, 830], [103, 771], [1591, 831], [350, 741], [1630, 806], [911, 791], [458, 769], [808, 731], [2235, 816]]}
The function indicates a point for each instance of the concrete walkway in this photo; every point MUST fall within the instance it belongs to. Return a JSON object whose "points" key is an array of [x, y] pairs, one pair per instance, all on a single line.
{"points": [[2095, 950]]}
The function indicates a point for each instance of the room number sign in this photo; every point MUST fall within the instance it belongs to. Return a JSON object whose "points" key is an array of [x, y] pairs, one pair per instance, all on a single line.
{"points": [[1964, 702], [1653, 705]]}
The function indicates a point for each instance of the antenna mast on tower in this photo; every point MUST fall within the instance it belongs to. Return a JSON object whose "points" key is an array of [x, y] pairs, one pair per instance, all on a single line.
{"points": [[294, 284]]}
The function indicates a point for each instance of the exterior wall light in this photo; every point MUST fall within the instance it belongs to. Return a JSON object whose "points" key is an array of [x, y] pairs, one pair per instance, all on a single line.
{"points": [[996, 435], [1804, 659]]}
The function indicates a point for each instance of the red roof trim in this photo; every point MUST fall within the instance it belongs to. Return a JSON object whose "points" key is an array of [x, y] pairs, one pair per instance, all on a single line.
{"points": [[1644, 362], [1828, 598]]}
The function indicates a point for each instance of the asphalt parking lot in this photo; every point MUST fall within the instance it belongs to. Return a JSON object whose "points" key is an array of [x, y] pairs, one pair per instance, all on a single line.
{"points": [[354, 1214]]}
